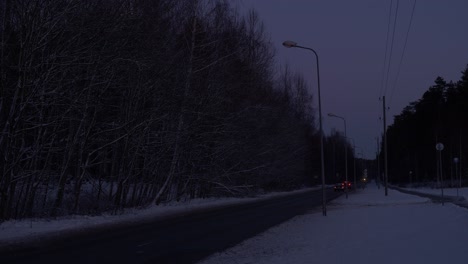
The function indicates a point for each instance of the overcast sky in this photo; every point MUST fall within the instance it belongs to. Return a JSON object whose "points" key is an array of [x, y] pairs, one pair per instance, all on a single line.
{"points": [[350, 37]]}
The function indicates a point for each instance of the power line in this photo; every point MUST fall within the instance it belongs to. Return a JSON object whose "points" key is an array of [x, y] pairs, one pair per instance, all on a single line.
{"points": [[391, 47], [386, 48], [403, 53]]}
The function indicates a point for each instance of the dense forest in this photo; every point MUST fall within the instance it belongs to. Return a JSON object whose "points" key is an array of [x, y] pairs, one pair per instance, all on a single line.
{"points": [[106, 105], [440, 116]]}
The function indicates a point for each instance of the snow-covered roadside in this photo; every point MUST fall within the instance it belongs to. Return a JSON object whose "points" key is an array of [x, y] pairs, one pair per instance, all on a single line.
{"points": [[369, 227], [447, 191], [19, 231]]}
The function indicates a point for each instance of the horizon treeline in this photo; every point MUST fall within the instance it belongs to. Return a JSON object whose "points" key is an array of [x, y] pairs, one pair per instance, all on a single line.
{"points": [[106, 105], [440, 116]]}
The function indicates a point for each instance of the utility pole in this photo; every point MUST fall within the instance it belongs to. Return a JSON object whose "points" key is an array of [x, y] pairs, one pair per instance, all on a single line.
{"points": [[385, 147]]}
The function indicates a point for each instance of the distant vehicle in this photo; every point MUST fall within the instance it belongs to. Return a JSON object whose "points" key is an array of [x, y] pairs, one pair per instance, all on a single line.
{"points": [[342, 186]]}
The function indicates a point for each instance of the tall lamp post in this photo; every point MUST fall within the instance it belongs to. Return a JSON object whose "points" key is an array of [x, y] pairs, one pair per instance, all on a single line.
{"points": [[346, 151], [292, 44]]}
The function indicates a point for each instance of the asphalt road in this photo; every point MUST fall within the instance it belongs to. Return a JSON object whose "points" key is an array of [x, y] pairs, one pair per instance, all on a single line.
{"points": [[182, 239]]}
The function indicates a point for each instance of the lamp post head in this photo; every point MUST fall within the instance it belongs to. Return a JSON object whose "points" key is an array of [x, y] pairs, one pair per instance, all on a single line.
{"points": [[330, 114], [289, 44]]}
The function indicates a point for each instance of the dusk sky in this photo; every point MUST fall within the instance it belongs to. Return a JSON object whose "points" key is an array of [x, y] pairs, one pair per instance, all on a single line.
{"points": [[350, 38]]}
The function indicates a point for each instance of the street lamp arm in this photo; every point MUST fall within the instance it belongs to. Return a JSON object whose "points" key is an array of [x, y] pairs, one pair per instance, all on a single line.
{"points": [[340, 117], [318, 71], [333, 115], [301, 47], [292, 44]]}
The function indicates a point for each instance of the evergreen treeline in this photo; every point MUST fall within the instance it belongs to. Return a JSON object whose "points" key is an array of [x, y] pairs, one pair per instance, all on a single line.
{"points": [[440, 116], [112, 104]]}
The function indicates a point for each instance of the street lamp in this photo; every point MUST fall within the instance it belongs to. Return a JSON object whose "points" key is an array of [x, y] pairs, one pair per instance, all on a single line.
{"points": [[292, 44], [346, 152]]}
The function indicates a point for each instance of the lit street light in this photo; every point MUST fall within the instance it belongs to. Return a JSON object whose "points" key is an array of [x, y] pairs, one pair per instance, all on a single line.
{"points": [[292, 44], [346, 152]]}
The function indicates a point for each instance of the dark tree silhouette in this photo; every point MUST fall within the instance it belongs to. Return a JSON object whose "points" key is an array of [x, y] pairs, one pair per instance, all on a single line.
{"points": [[439, 116]]}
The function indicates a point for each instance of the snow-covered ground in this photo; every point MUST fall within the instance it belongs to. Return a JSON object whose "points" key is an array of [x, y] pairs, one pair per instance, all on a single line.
{"points": [[18, 231], [447, 191], [368, 227]]}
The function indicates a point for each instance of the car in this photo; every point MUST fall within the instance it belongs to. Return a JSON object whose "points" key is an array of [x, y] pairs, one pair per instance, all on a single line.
{"points": [[342, 186]]}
